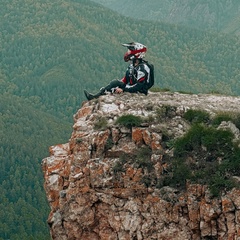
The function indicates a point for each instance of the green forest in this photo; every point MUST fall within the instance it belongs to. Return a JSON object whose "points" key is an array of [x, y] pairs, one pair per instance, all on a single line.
{"points": [[50, 51]]}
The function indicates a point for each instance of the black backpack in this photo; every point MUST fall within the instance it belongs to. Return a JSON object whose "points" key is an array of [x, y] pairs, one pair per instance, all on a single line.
{"points": [[150, 82]]}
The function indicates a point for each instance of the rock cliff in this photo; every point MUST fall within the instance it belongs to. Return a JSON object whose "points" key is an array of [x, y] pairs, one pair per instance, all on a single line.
{"points": [[99, 184]]}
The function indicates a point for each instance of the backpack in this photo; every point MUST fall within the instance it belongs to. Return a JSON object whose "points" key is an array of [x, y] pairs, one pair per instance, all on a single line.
{"points": [[150, 82]]}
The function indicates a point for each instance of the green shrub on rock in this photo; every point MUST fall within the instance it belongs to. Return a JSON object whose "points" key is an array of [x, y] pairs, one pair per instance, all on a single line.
{"points": [[205, 155], [196, 116], [129, 121]]}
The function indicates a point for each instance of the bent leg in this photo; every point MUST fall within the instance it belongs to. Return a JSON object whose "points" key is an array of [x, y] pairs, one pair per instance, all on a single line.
{"points": [[109, 88], [114, 84]]}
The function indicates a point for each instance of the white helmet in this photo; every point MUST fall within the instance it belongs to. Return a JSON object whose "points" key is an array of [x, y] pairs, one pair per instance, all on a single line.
{"points": [[135, 51]]}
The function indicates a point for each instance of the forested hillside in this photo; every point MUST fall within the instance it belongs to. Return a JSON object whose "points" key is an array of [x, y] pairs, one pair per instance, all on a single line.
{"points": [[219, 16], [50, 51], [25, 136]]}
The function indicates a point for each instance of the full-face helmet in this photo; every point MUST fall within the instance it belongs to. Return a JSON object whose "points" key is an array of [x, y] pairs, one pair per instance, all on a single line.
{"points": [[135, 51]]}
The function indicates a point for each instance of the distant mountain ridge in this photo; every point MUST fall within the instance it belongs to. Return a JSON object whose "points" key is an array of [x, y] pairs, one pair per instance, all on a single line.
{"points": [[220, 16]]}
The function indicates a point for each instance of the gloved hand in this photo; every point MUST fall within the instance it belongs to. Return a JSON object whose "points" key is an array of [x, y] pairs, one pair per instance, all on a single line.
{"points": [[118, 90]]}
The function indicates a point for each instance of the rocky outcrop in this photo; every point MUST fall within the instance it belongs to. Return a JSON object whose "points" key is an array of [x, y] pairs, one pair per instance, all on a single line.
{"points": [[98, 188]]}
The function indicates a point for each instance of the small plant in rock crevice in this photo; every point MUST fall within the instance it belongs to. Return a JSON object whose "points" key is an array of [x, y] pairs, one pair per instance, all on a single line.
{"points": [[79, 140], [109, 143], [100, 123], [139, 159], [197, 116], [166, 111], [149, 119], [119, 165], [143, 158], [149, 180], [129, 121]]}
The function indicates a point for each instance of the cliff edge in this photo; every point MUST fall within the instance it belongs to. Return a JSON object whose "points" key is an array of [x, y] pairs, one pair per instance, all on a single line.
{"points": [[105, 183]]}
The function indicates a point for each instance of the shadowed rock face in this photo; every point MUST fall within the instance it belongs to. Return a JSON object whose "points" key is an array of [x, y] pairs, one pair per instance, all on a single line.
{"points": [[97, 191]]}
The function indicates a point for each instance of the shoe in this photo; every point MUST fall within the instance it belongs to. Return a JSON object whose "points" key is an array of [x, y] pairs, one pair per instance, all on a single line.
{"points": [[144, 91], [88, 95]]}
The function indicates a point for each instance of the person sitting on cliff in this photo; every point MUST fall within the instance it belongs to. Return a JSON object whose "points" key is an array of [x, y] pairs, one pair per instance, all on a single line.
{"points": [[136, 77]]}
